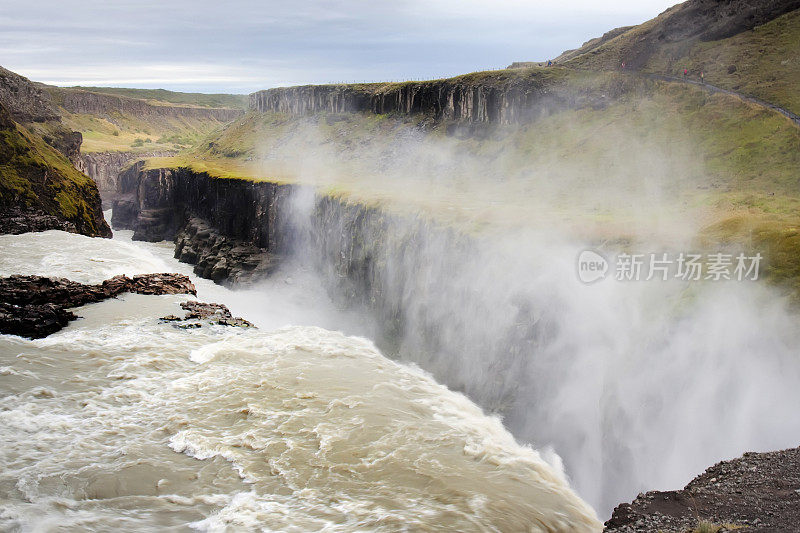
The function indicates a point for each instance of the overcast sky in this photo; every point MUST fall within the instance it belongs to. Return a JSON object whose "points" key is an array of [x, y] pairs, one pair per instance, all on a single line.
{"points": [[244, 45]]}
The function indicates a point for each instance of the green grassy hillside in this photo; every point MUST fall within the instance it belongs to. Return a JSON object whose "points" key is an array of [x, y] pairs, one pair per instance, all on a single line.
{"points": [[124, 132], [36, 177], [142, 120], [763, 61]]}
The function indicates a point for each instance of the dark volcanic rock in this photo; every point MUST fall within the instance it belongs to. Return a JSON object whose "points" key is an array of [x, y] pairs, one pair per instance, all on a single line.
{"points": [[35, 306], [105, 167], [33, 321], [15, 221], [227, 228], [218, 257], [757, 492], [207, 312]]}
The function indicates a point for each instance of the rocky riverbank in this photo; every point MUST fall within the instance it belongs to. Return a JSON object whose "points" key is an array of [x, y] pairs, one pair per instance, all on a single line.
{"points": [[35, 306], [755, 492]]}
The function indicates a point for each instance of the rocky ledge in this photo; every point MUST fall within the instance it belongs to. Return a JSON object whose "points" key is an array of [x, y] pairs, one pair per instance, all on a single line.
{"points": [[35, 306], [14, 221], [218, 257], [755, 492]]}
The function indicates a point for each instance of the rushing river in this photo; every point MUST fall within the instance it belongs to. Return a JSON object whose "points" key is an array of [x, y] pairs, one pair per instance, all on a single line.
{"points": [[121, 421]]}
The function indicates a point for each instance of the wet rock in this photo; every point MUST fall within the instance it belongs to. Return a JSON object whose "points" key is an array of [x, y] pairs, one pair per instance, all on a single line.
{"points": [[161, 284], [228, 228], [206, 312], [219, 257], [15, 221], [33, 321], [36, 306]]}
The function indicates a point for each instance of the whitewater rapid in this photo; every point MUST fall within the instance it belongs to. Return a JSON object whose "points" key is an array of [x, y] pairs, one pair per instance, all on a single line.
{"points": [[124, 422]]}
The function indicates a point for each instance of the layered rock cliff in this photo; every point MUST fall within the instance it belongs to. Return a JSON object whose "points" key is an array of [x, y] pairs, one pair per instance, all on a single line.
{"points": [[229, 229], [87, 102], [502, 97]]}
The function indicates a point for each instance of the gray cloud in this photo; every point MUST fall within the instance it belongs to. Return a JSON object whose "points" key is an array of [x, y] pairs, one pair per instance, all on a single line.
{"points": [[244, 45]]}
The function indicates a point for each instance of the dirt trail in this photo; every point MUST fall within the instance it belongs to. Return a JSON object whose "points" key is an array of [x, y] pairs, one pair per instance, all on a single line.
{"points": [[714, 89]]}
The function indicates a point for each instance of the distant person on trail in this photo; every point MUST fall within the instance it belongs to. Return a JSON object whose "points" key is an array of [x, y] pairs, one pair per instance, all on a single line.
{"points": [[623, 65], [549, 63], [702, 77], [685, 72]]}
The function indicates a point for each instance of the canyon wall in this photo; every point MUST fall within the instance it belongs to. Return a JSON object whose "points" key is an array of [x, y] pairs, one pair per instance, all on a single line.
{"points": [[504, 98], [104, 168], [39, 187], [79, 101], [229, 229]]}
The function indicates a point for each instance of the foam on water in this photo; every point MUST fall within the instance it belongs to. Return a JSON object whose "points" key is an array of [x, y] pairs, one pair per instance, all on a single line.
{"points": [[120, 421]]}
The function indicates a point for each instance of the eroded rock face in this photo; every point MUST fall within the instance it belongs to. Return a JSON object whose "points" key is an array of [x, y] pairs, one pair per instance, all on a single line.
{"points": [[218, 257], [36, 306], [470, 102], [105, 167], [227, 228], [756, 492], [25, 100]]}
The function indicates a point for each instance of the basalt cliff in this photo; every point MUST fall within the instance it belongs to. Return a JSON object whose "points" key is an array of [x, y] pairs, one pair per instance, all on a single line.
{"points": [[501, 97]]}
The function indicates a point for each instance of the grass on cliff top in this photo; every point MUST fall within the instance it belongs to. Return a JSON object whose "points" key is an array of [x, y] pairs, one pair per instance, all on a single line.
{"points": [[33, 174], [499, 77], [120, 132], [172, 98]]}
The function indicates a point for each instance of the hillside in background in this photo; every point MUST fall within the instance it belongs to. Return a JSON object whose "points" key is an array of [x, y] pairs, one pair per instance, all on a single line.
{"points": [[749, 47], [130, 120], [164, 97]]}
